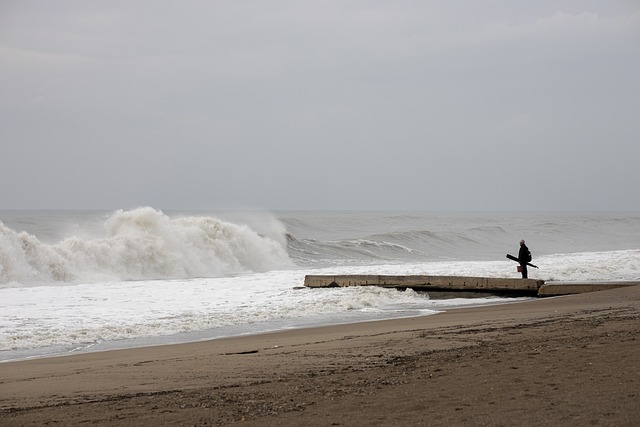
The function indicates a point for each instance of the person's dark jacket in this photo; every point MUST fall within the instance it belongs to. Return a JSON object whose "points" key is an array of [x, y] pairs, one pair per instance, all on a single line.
{"points": [[523, 255]]}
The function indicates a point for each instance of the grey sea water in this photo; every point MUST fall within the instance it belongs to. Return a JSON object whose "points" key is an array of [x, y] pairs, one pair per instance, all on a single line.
{"points": [[84, 281]]}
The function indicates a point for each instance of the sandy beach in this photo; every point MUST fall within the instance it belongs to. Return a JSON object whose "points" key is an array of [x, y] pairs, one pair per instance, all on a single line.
{"points": [[571, 360]]}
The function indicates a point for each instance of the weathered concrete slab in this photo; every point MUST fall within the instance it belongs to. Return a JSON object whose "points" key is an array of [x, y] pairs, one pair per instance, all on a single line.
{"points": [[436, 283], [462, 283], [550, 289]]}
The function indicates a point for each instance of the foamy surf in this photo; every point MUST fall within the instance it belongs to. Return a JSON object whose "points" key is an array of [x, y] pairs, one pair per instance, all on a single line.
{"points": [[140, 244], [92, 281]]}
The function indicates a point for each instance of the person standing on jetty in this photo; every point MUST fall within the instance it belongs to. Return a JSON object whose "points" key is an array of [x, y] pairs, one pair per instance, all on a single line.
{"points": [[524, 256]]}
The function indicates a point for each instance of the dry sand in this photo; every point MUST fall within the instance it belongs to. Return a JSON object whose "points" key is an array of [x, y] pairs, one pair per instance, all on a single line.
{"points": [[561, 361]]}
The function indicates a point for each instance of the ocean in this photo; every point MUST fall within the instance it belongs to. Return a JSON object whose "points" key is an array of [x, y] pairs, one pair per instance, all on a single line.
{"points": [[78, 281]]}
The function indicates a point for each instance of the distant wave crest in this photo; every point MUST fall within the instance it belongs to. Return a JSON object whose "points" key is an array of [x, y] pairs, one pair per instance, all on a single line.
{"points": [[394, 246], [141, 244]]}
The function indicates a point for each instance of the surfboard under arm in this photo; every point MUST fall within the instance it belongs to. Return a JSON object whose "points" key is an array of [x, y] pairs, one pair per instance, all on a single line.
{"points": [[511, 257]]}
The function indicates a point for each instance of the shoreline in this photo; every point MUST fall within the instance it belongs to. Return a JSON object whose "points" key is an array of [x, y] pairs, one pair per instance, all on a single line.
{"points": [[571, 359], [224, 332]]}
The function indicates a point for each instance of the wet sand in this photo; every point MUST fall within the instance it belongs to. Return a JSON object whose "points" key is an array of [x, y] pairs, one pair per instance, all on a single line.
{"points": [[572, 360]]}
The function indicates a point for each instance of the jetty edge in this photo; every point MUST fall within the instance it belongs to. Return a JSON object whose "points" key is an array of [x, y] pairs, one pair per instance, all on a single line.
{"points": [[514, 286], [555, 288]]}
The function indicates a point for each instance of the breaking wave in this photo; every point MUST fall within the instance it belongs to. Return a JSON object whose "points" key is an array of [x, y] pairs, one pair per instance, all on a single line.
{"points": [[141, 244]]}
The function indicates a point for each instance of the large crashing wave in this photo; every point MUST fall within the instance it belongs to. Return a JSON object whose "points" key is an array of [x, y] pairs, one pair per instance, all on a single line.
{"points": [[141, 244]]}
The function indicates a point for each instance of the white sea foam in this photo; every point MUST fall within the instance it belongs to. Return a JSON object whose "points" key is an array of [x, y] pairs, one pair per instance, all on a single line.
{"points": [[83, 314], [75, 315], [137, 245]]}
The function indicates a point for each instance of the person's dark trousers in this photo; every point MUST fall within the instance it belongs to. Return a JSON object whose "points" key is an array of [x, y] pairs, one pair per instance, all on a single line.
{"points": [[524, 271]]}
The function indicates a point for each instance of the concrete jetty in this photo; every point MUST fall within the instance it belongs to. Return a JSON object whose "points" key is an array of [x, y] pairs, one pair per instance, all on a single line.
{"points": [[551, 289], [523, 287], [432, 283]]}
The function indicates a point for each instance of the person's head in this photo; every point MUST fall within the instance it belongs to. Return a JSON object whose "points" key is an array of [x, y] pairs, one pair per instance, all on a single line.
{"points": [[521, 242]]}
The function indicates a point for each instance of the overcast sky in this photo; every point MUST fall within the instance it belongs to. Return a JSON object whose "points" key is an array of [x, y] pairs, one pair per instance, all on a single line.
{"points": [[392, 105]]}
